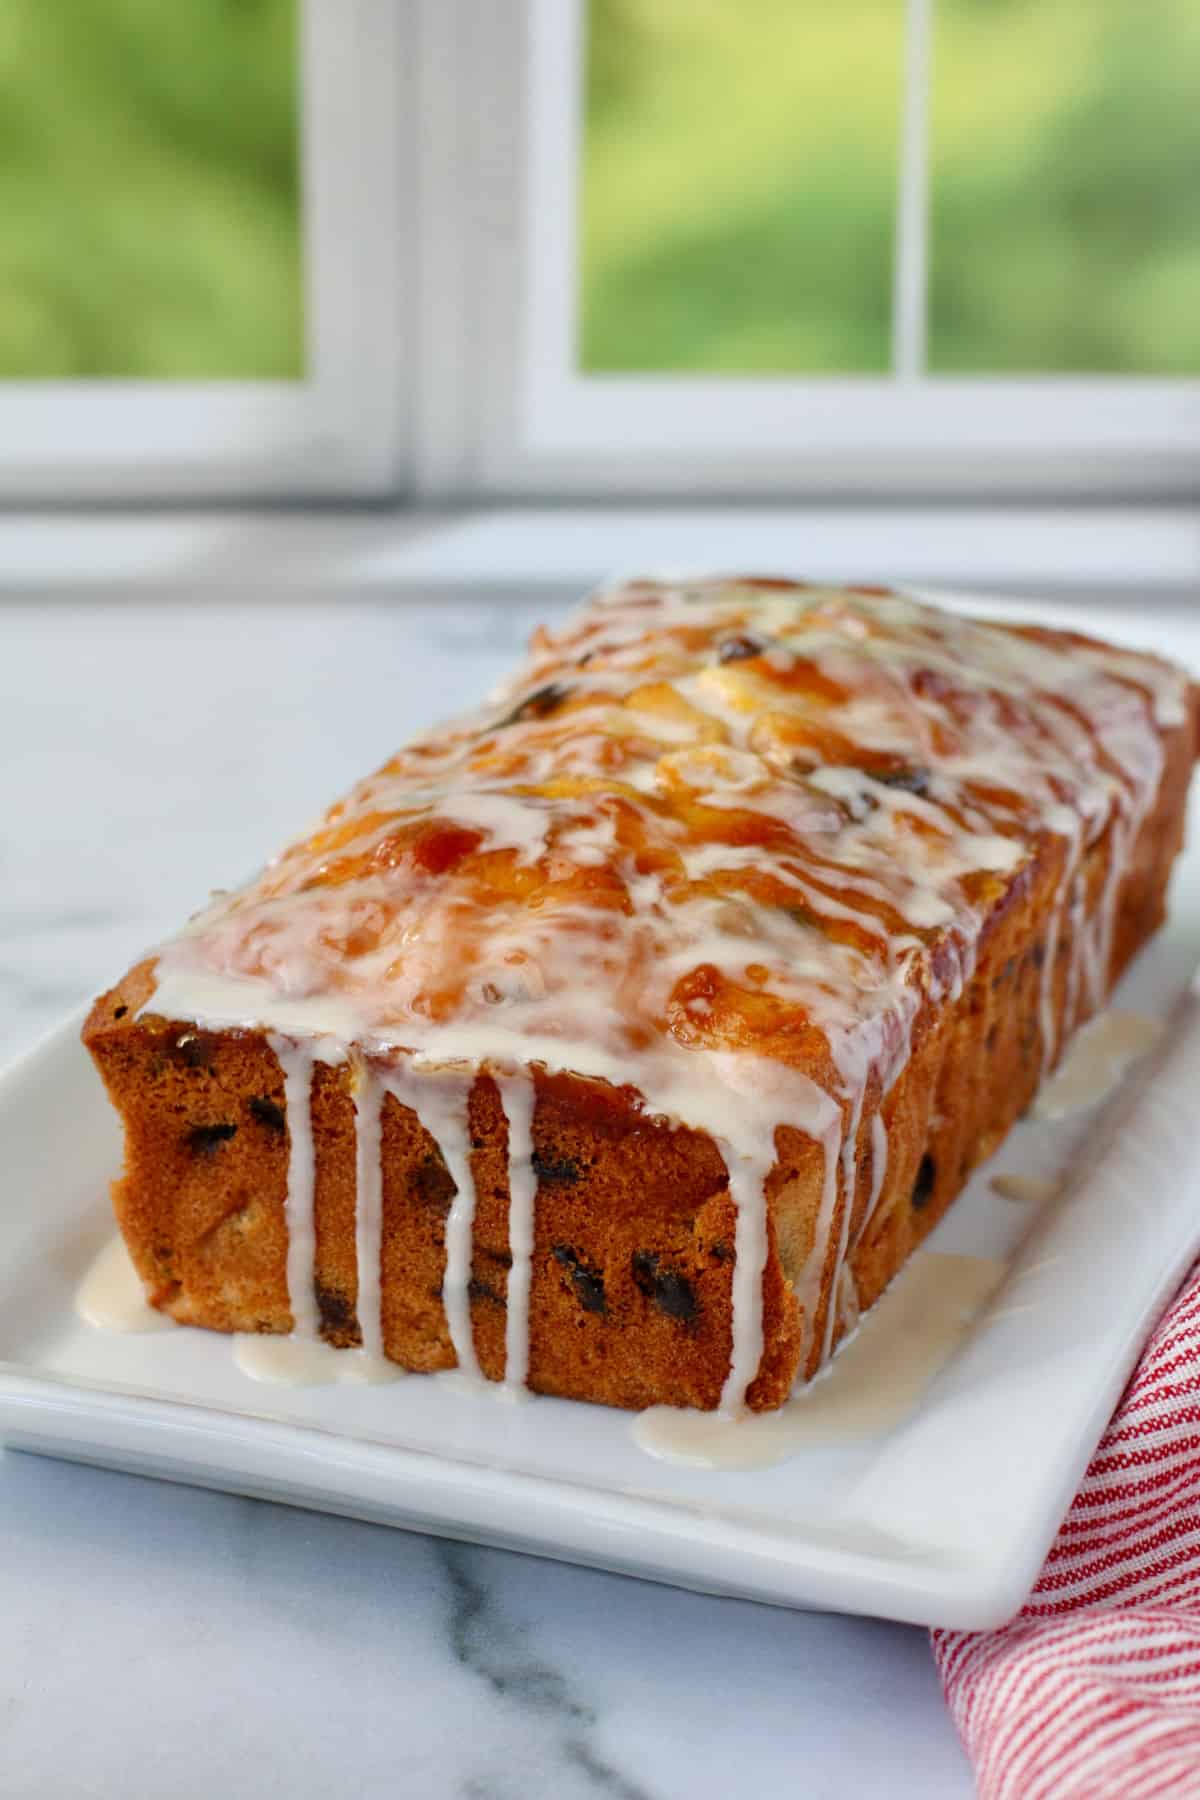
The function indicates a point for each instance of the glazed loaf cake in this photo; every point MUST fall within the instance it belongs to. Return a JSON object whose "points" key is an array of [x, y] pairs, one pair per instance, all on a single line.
{"points": [[623, 1038]]}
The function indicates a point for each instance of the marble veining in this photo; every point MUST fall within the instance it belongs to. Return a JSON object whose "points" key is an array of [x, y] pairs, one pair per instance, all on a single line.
{"points": [[486, 1644]]}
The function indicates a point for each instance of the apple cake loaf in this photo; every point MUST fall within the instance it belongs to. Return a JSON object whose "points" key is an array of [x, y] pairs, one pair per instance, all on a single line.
{"points": [[622, 1038]]}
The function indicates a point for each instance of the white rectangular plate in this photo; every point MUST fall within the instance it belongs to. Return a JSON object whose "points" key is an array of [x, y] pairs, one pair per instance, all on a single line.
{"points": [[945, 1520]]}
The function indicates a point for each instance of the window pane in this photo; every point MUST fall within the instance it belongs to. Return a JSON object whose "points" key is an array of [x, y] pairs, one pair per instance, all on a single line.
{"points": [[739, 185], [149, 191], [1066, 187]]}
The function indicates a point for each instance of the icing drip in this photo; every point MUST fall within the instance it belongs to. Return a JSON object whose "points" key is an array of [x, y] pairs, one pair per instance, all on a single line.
{"points": [[879, 1165], [368, 1207], [517, 1098], [847, 1173], [1078, 916], [746, 1178], [440, 1099], [848, 1310], [879, 1169], [296, 1061], [308, 1362], [808, 1288], [1037, 1190], [713, 830], [1067, 890]]}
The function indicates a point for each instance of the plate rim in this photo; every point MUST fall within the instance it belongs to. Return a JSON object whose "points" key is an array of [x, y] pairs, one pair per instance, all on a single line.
{"points": [[206, 1444], [641, 1536]]}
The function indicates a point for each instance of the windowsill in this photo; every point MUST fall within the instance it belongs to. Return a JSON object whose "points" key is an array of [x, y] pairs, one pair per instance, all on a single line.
{"points": [[1094, 549]]}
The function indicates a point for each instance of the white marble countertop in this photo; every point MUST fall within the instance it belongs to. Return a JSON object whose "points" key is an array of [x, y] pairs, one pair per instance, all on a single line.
{"points": [[160, 1639]]}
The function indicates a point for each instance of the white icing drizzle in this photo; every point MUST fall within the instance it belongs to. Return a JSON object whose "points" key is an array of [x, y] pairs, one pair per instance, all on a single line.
{"points": [[517, 1098], [1077, 911], [808, 1288], [879, 1169], [848, 1175], [296, 1062], [746, 1178], [700, 799], [440, 1100], [1067, 887], [368, 1206], [848, 1310]]}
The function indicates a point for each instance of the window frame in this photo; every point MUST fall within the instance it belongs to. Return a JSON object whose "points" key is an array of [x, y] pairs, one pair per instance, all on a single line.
{"points": [[441, 350], [341, 428], [536, 426]]}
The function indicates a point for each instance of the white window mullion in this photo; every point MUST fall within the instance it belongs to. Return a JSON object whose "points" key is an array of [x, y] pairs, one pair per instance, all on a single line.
{"points": [[547, 429], [359, 192], [910, 290]]}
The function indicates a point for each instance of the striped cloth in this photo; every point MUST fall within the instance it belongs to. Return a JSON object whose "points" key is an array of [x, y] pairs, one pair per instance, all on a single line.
{"points": [[1094, 1688]]}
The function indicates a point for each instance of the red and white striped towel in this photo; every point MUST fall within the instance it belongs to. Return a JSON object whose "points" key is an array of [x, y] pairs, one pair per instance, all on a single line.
{"points": [[1093, 1690]]}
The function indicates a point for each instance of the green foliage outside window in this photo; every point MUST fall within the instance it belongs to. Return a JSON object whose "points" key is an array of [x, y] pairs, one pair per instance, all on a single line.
{"points": [[149, 205], [737, 188], [739, 183]]}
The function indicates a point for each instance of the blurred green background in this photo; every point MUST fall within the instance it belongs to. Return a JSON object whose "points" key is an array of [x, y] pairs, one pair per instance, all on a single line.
{"points": [[738, 187], [149, 210], [739, 179]]}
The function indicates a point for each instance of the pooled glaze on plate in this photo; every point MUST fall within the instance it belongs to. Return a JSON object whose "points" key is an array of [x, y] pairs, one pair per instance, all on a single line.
{"points": [[308, 1362], [1098, 1057], [1034, 1190], [874, 1384], [111, 1296]]}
